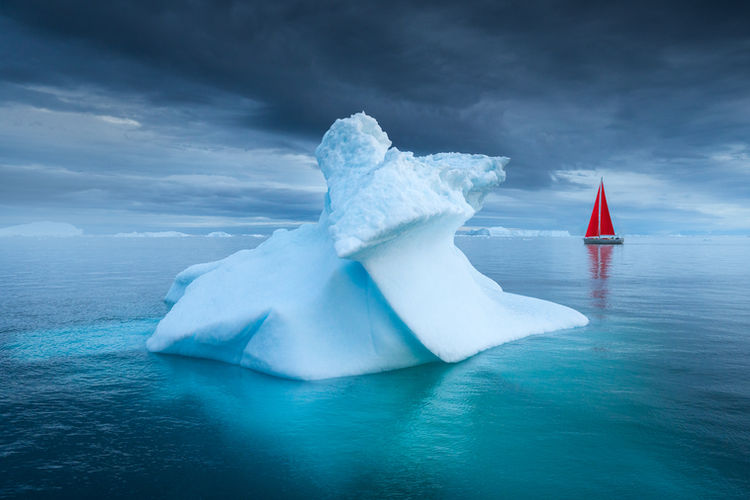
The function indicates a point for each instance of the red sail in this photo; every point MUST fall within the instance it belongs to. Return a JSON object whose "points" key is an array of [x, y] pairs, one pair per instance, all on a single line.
{"points": [[593, 229], [605, 227]]}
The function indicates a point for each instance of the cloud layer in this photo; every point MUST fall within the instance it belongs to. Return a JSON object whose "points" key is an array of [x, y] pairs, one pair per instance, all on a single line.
{"points": [[134, 113]]}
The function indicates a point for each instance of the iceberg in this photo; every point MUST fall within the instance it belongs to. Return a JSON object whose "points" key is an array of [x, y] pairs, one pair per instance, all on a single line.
{"points": [[376, 284], [44, 229], [150, 234], [508, 232]]}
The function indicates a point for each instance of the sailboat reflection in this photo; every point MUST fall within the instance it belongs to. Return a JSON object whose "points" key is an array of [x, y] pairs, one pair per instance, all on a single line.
{"points": [[599, 260]]}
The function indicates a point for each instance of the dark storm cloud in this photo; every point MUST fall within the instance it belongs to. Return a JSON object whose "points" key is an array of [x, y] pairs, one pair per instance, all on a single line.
{"points": [[311, 62], [650, 86]]}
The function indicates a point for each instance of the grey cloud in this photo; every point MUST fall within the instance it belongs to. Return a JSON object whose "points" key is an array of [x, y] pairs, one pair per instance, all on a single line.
{"points": [[643, 86], [60, 188]]}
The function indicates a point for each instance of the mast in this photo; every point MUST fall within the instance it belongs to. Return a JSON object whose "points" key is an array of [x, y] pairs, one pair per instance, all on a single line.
{"points": [[601, 192]]}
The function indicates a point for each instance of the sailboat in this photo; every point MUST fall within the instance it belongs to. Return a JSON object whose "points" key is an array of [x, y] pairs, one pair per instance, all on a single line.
{"points": [[600, 230]]}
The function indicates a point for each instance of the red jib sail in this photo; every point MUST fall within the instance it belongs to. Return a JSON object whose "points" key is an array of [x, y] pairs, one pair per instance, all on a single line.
{"points": [[593, 229], [605, 224]]}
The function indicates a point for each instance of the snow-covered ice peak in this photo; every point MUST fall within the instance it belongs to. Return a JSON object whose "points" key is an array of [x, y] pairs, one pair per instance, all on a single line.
{"points": [[352, 146], [375, 191]]}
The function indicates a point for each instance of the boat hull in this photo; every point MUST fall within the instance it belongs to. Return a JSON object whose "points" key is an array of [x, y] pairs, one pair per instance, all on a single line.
{"points": [[613, 240]]}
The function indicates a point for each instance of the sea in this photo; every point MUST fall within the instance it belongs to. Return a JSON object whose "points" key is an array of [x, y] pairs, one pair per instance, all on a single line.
{"points": [[650, 400]]}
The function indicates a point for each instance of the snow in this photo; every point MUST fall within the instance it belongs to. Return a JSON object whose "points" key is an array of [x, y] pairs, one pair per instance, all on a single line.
{"points": [[42, 229], [149, 234], [506, 232], [376, 284]]}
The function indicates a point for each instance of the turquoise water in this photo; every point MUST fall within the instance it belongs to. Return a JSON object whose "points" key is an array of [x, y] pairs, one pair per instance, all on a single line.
{"points": [[652, 399]]}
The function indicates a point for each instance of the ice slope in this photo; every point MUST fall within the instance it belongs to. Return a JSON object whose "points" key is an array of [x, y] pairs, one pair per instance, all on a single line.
{"points": [[290, 307], [376, 284]]}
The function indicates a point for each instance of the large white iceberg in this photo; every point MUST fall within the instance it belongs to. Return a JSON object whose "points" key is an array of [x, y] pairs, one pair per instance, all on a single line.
{"points": [[376, 284]]}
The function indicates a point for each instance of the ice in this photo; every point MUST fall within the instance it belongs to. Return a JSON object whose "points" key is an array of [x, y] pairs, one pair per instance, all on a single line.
{"points": [[42, 229], [218, 234], [376, 194], [291, 308], [152, 234], [376, 284], [509, 232]]}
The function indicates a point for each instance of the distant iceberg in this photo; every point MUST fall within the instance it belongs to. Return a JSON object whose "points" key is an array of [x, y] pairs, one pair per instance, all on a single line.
{"points": [[42, 229], [218, 234], [507, 232], [376, 284], [149, 234]]}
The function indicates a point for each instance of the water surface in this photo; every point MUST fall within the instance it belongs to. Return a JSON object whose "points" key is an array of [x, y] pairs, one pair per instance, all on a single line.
{"points": [[651, 399]]}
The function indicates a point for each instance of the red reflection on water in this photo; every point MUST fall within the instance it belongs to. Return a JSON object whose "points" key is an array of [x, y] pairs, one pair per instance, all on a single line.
{"points": [[599, 259]]}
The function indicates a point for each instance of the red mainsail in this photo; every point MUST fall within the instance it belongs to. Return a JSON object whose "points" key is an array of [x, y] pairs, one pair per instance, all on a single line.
{"points": [[593, 229]]}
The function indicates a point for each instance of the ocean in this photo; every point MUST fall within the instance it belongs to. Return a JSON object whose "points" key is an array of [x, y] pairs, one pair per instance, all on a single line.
{"points": [[651, 399]]}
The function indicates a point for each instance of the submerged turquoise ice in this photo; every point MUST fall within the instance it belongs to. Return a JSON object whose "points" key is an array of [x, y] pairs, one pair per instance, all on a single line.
{"points": [[649, 400]]}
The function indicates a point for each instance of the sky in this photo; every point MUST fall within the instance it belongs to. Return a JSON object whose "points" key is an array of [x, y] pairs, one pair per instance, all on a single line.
{"points": [[204, 115]]}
